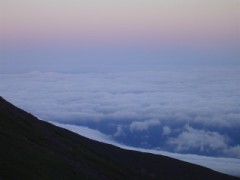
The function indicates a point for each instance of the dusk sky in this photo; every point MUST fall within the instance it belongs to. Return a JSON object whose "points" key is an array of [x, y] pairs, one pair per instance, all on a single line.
{"points": [[88, 35], [162, 75]]}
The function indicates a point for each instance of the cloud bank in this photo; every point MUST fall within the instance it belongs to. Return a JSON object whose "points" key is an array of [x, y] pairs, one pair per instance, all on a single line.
{"points": [[179, 110], [206, 97]]}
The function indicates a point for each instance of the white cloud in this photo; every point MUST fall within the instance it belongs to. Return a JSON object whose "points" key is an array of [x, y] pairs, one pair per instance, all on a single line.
{"points": [[86, 132], [233, 151], [119, 132], [206, 97], [166, 130], [143, 125], [203, 140]]}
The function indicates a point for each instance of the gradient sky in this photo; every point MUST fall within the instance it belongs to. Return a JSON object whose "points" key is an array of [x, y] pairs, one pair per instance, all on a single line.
{"points": [[110, 20], [145, 29]]}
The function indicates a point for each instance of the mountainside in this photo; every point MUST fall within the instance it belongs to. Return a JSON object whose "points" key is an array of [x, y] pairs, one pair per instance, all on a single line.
{"points": [[34, 149]]}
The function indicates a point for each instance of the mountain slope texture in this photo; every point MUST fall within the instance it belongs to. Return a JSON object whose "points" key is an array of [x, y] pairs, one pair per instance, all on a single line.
{"points": [[34, 149]]}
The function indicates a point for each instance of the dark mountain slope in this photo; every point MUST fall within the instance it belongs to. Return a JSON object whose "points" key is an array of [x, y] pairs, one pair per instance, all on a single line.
{"points": [[34, 149]]}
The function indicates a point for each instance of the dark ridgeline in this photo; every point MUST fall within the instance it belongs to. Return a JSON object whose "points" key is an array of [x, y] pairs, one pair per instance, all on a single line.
{"points": [[34, 149]]}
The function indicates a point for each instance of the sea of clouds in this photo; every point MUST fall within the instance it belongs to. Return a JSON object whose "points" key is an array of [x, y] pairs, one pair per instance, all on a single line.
{"points": [[177, 110]]}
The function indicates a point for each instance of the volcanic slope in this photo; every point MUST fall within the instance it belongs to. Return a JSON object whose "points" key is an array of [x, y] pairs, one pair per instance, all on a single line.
{"points": [[34, 149]]}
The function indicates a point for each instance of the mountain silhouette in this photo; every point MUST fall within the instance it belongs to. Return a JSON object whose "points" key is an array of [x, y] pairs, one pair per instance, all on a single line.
{"points": [[34, 149]]}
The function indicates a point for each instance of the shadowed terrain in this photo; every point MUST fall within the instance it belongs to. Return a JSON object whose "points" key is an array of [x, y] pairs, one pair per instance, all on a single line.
{"points": [[34, 149]]}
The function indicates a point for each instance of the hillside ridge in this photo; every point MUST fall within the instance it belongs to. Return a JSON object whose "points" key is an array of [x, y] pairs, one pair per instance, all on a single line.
{"points": [[34, 149]]}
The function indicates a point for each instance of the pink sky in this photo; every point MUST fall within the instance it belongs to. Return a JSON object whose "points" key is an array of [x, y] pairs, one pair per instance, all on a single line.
{"points": [[202, 22]]}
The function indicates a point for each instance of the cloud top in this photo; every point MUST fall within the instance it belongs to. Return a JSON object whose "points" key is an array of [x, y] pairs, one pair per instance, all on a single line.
{"points": [[187, 111], [205, 97], [203, 140], [143, 125]]}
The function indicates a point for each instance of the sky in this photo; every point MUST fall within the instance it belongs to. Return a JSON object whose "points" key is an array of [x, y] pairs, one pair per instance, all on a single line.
{"points": [[149, 74], [77, 36]]}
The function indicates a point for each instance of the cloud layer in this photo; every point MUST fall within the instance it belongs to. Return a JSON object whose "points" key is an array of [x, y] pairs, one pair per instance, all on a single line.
{"points": [[206, 97], [189, 110]]}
